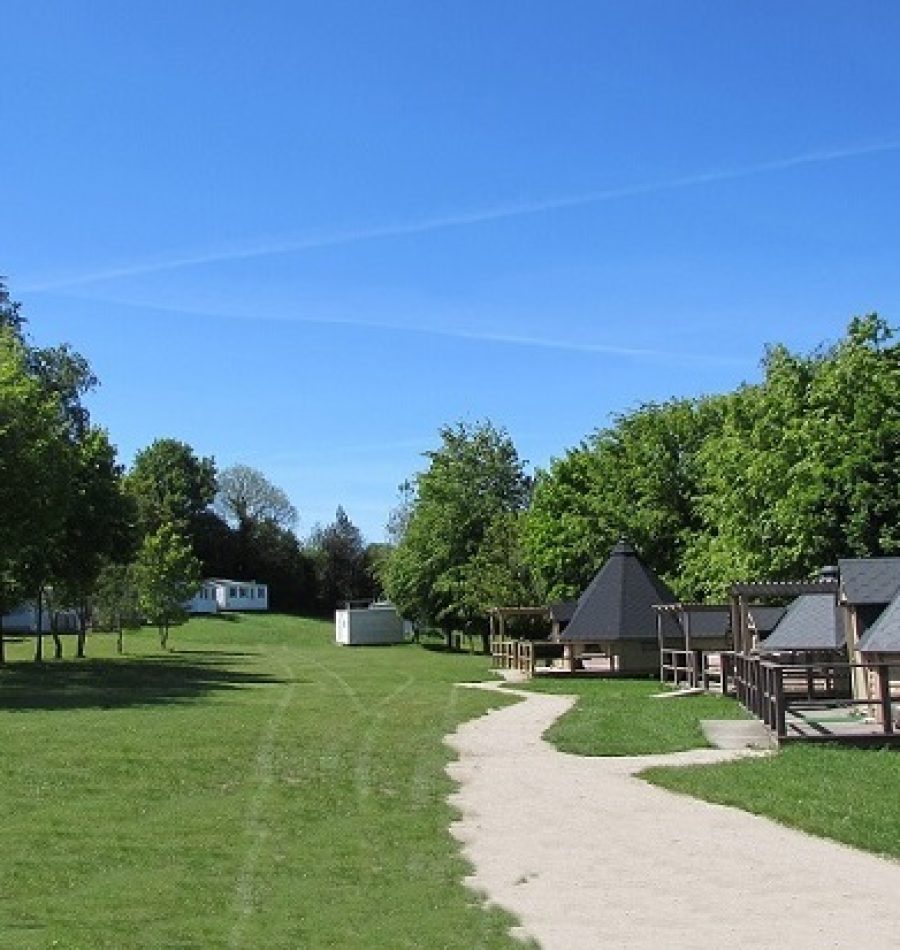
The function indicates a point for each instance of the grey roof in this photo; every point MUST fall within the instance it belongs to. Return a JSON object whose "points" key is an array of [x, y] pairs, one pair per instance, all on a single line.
{"points": [[870, 580], [811, 622], [706, 623], [884, 635], [765, 618], [618, 603], [562, 610]]}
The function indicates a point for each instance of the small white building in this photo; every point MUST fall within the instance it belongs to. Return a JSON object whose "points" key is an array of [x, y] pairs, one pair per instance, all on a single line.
{"points": [[375, 623]]}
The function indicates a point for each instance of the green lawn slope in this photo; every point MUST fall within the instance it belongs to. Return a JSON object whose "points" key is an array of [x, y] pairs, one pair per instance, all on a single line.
{"points": [[256, 787]]}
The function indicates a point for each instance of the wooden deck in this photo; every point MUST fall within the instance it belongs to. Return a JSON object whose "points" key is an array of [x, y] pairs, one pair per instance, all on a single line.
{"points": [[812, 702]]}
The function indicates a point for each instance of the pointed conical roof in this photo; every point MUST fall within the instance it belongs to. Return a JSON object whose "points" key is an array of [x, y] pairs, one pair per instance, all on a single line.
{"points": [[618, 603]]}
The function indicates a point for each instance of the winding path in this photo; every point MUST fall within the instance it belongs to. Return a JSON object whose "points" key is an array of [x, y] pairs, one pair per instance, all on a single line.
{"points": [[586, 855]]}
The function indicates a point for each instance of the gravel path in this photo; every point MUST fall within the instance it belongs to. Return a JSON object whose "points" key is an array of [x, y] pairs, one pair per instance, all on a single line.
{"points": [[588, 856]]}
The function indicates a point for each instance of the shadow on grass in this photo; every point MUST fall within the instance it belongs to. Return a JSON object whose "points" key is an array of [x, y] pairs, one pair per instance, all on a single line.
{"points": [[120, 683]]}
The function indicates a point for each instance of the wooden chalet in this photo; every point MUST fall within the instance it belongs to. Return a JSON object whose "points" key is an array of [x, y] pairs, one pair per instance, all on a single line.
{"points": [[614, 626]]}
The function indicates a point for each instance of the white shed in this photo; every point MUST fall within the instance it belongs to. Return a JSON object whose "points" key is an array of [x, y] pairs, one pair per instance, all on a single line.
{"points": [[369, 625]]}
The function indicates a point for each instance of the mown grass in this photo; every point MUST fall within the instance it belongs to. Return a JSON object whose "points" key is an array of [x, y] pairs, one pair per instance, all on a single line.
{"points": [[257, 786], [849, 795], [622, 717]]}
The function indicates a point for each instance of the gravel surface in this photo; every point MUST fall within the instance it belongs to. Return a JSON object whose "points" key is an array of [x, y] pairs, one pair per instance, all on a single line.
{"points": [[586, 855]]}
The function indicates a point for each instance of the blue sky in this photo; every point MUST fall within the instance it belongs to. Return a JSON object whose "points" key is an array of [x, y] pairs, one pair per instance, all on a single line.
{"points": [[303, 236]]}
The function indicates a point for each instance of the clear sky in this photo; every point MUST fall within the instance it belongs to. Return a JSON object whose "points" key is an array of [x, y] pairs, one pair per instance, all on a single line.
{"points": [[303, 236]]}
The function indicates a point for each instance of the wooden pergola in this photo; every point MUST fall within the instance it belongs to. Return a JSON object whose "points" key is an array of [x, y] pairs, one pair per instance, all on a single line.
{"points": [[692, 657], [745, 594]]}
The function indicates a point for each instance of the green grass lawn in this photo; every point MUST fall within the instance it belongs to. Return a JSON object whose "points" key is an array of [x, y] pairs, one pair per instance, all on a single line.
{"points": [[621, 717], [835, 792], [256, 787]]}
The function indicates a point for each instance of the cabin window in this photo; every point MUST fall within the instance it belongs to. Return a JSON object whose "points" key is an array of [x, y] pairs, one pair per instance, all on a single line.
{"points": [[232, 592], [262, 593]]}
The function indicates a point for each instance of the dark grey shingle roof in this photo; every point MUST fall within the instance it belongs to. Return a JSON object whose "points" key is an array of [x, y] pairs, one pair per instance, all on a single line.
{"points": [[618, 603], [870, 580], [706, 624], [811, 622], [765, 618], [884, 635], [562, 610]]}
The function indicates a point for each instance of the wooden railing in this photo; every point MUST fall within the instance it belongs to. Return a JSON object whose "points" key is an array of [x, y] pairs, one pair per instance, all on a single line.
{"points": [[771, 690], [698, 669], [521, 655]]}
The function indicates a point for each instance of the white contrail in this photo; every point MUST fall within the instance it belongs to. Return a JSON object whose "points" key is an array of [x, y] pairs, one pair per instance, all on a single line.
{"points": [[290, 245], [446, 332]]}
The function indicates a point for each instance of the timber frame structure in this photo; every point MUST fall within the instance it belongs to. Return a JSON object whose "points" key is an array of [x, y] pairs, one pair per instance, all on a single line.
{"points": [[805, 701]]}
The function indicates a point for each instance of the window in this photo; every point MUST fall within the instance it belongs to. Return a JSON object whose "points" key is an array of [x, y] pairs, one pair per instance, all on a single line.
{"points": [[262, 593], [232, 592]]}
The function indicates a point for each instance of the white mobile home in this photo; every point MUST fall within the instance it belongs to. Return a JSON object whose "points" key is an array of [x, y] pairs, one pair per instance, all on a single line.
{"points": [[23, 619], [204, 601], [372, 624], [240, 595]]}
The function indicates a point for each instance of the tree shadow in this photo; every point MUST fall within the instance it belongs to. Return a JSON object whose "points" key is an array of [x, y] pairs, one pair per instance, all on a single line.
{"points": [[121, 683]]}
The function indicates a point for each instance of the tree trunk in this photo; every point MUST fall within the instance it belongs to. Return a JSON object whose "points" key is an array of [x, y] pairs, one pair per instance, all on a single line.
{"points": [[39, 634], [485, 643], [54, 631], [164, 634], [448, 633], [120, 645], [2, 642], [82, 631]]}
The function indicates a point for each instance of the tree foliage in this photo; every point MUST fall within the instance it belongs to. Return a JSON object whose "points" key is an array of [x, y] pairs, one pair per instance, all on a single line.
{"points": [[637, 478], [472, 481], [802, 469], [339, 557], [166, 574], [170, 484]]}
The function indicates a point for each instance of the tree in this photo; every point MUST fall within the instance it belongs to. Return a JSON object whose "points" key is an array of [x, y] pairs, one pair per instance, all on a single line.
{"points": [[246, 499], [472, 479], [637, 478], [35, 470], [116, 601], [246, 496], [11, 313], [338, 553], [802, 469], [96, 525], [166, 575], [171, 485]]}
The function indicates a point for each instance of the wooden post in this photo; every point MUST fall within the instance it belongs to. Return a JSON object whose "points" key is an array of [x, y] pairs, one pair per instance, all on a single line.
{"points": [[780, 711], [884, 690]]}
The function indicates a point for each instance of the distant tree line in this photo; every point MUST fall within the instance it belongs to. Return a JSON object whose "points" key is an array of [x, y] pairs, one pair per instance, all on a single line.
{"points": [[773, 480], [80, 534]]}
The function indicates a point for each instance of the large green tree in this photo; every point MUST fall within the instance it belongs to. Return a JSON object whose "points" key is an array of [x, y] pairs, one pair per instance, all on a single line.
{"points": [[803, 468], [29, 440], [36, 463], [247, 500], [473, 479], [170, 484], [339, 557], [638, 478]]}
